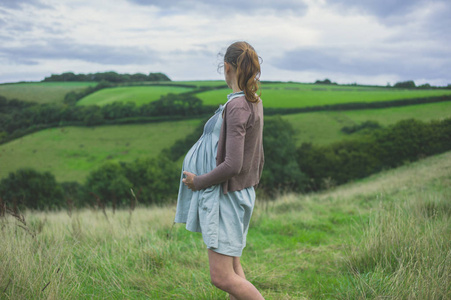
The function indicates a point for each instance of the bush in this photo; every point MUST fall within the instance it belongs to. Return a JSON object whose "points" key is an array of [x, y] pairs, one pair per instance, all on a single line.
{"points": [[325, 81], [405, 84], [281, 171], [108, 185], [153, 180], [31, 189], [73, 194], [405, 141], [367, 126]]}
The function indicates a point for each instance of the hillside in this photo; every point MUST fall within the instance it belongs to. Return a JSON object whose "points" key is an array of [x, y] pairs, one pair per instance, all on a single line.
{"points": [[275, 95], [325, 127], [59, 150], [137, 94], [70, 153], [382, 237], [296, 95], [42, 92]]}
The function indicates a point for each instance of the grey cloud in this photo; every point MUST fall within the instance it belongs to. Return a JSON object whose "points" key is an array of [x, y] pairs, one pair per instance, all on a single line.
{"points": [[380, 8], [55, 29], [199, 52], [15, 27], [396, 12], [65, 49], [222, 6], [439, 23], [407, 65], [23, 26], [4, 38], [4, 12], [17, 4]]}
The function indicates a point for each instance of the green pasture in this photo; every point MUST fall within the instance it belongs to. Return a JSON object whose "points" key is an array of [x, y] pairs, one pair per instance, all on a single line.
{"points": [[138, 94], [294, 95], [324, 127], [197, 83], [70, 153], [202, 83], [276, 95], [42, 92], [384, 237]]}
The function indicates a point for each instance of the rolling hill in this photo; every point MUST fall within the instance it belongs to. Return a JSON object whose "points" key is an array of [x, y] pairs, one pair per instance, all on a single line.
{"points": [[384, 237], [71, 152], [42, 92]]}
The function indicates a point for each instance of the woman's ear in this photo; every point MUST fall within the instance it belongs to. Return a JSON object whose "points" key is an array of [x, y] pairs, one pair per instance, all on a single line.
{"points": [[226, 67]]}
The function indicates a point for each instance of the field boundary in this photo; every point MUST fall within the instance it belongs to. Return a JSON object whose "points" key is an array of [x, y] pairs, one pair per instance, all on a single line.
{"points": [[358, 105], [268, 112]]}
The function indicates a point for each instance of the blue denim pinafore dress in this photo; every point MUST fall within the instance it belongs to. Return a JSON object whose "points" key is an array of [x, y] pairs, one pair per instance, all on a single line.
{"points": [[223, 219]]}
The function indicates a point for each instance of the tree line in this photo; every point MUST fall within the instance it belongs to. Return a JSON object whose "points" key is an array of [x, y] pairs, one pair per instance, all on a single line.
{"points": [[18, 118], [408, 84], [107, 76], [287, 167]]}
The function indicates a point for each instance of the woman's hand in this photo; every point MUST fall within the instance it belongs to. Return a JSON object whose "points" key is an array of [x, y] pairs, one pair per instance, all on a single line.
{"points": [[189, 180]]}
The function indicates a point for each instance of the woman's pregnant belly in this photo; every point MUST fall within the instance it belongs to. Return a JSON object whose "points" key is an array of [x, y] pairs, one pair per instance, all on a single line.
{"points": [[201, 158]]}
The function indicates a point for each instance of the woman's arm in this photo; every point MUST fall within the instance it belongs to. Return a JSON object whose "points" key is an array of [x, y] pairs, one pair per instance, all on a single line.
{"points": [[236, 122]]}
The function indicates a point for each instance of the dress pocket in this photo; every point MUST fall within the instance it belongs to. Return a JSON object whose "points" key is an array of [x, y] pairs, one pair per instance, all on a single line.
{"points": [[209, 215]]}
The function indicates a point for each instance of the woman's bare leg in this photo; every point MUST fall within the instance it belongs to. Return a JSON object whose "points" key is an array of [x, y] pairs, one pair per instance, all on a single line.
{"points": [[238, 268], [224, 277], [238, 271]]}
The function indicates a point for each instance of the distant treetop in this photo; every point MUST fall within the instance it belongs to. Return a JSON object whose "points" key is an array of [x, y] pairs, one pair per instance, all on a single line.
{"points": [[409, 84], [107, 76], [325, 81]]}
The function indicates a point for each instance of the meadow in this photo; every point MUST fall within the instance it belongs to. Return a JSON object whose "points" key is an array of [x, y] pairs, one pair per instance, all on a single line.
{"points": [[384, 237], [42, 92], [274, 95], [324, 127], [296, 95], [70, 153], [137, 94]]}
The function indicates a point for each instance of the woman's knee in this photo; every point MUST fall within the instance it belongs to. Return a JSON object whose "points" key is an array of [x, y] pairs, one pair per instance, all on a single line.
{"points": [[220, 280]]}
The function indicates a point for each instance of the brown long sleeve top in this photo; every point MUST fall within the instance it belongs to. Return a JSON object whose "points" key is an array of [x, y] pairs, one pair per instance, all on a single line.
{"points": [[240, 157]]}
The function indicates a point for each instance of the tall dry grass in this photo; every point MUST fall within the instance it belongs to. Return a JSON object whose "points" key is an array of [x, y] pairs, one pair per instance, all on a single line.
{"points": [[385, 237], [404, 251]]}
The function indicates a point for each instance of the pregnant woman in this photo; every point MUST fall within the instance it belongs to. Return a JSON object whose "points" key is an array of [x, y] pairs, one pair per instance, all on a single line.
{"points": [[216, 195]]}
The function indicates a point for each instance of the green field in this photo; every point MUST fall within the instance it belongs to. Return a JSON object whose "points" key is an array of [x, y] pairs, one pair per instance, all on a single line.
{"points": [[202, 83], [385, 237], [197, 83], [42, 92], [381, 237], [276, 95], [291, 95], [70, 153], [137, 94], [324, 127], [59, 150]]}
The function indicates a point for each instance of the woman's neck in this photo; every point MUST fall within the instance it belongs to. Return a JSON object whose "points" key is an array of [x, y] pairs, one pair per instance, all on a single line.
{"points": [[234, 86]]}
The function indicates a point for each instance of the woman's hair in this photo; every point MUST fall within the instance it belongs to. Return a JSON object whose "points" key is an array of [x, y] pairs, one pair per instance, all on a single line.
{"points": [[245, 60]]}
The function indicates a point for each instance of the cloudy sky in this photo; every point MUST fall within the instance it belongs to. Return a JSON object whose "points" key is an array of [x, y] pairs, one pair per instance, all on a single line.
{"points": [[347, 41]]}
